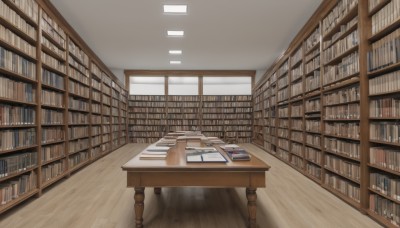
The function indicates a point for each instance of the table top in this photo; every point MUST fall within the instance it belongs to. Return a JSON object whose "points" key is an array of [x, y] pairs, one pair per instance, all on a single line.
{"points": [[176, 161]]}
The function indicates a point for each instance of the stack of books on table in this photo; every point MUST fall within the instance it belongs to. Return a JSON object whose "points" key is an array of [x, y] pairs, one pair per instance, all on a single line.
{"points": [[203, 154], [213, 141], [166, 142], [154, 152], [236, 153]]}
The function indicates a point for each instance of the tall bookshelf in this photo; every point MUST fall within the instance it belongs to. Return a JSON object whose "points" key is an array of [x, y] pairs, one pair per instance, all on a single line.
{"points": [[46, 94], [227, 117], [342, 105]]}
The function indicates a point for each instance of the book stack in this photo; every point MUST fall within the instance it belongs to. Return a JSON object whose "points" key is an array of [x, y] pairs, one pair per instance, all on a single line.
{"points": [[236, 153], [212, 141], [154, 152], [166, 142]]}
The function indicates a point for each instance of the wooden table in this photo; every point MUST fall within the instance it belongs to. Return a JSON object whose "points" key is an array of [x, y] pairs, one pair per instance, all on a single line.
{"points": [[176, 172]]}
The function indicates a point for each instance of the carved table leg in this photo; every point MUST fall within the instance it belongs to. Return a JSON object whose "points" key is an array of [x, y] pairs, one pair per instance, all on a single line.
{"points": [[139, 206], [157, 191], [251, 205]]}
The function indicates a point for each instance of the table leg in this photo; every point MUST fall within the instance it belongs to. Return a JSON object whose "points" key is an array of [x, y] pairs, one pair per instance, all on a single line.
{"points": [[251, 205], [157, 191], [139, 206]]}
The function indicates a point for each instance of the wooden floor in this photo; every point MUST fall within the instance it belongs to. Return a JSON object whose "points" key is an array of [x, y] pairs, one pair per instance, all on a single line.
{"points": [[97, 197]]}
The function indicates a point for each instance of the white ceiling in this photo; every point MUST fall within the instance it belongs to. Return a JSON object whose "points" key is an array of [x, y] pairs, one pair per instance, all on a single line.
{"points": [[219, 34]]}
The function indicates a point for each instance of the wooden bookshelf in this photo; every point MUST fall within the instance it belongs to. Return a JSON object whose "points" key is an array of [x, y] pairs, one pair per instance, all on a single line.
{"points": [[47, 100], [227, 117], [349, 88]]}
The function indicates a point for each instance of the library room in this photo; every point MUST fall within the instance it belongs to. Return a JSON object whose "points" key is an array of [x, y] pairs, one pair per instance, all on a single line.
{"points": [[183, 113]]}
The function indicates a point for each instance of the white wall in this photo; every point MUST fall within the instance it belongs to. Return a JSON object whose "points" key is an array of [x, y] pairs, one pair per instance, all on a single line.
{"points": [[120, 74], [259, 74]]}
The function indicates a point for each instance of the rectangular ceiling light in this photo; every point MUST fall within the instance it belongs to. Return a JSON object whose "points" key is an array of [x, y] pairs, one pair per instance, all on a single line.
{"points": [[175, 52], [174, 62], [175, 9], [175, 33]]}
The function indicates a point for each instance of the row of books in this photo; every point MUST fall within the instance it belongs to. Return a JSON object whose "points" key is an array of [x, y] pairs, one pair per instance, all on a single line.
{"points": [[17, 90], [372, 4], [385, 132], [17, 138], [147, 98], [78, 158], [96, 84], [314, 64], [296, 110], [16, 115], [313, 126], [52, 170], [345, 168], [297, 124], [72, 62], [52, 134], [348, 66], [343, 186], [297, 136], [79, 89], [283, 95], [385, 184], [17, 187], [13, 164], [96, 108], [313, 81], [296, 89], [297, 149], [313, 155], [16, 20], [313, 105], [297, 162], [347, 111], [78, 132], [297, 57], [78, 145], [78, 53], [385, 157], [340, 11], [17, 64], [283, 69], [347, 148], [96, 140], [78, 76], [221, 105], [341, 46], [77, 104], [385, 16], [52, 98], [385, 107], [385, 51], [52, 79], [385, 208], [313, 170], [283, 82], [50, 116], [347, 130], [52, 29], [343, 29], [312, 40], [78, 118], [345, 95], [52, 47], [297, 73], [386, 83], [106, 100], [53, 62], [53, 151], [14, 40], [312, 54]]}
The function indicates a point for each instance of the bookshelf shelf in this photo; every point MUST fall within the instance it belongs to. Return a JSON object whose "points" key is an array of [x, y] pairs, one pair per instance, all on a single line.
{"points": [[339, 58], [383, 195], [17, 76], [343, 197], [384, 143], [17, 149], [53, 180], [10, 176], [17, 126], [52, 53], [343, 35], [348, 17], [378, 7], [18, 51], [53, 160], [18, 200], [385, 31], [342, 155], [17, 31]]}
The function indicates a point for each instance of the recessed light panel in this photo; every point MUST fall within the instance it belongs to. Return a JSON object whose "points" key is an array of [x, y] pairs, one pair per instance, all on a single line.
{"points": [[176, 33], [175, 52], [175, 9], [174, 62]]}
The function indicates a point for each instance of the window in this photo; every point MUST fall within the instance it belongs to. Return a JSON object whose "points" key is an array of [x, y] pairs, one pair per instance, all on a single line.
{"points": [[183, 85], [139, 85], [226, 85]]}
